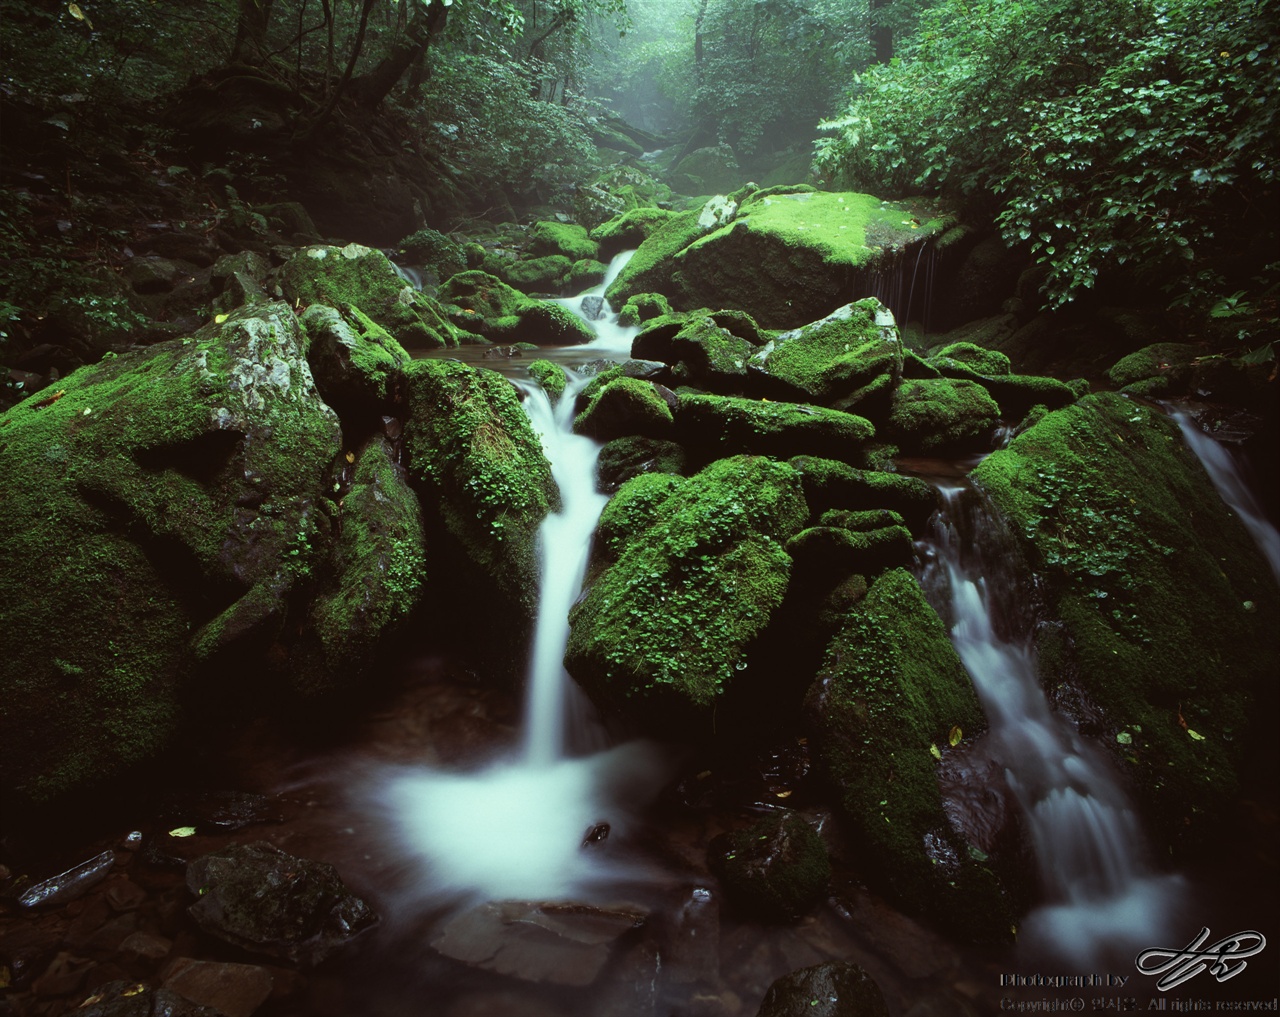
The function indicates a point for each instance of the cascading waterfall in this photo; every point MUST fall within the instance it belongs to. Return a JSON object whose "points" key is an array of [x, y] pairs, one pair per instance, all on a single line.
{"points": [[1100, 894], [519, 828], [1225, 474]]}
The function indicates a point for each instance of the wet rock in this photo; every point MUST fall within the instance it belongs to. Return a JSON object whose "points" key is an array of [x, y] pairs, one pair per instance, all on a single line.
{"points": [[64, 975], [211, 811], [775, 869], [715, 426], [691, 940], [236, 990], [152, 274], [134, 999], [592, 308], [624, 458], [623, 407], [67, 886], [834, 989], [261, 899], [565, 944], [146, 946], [356, 362]]}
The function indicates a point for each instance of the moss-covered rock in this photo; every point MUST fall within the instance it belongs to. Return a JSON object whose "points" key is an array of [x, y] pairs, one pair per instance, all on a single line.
{"points": [[628, 230], [1155, 370], [362, 276], [167, 507], [706, 353], [568, 240], [373, 580], [356, 363], [625, 406], [551, 377], [711, 170], [547, 274], [715, 426], [847, 542], [775, 870], [829, 485], [484, 304], [1166, 604], [643, 307], [784, 258], [433, 251], [483, 477], [941, 415], [974, 359], [546, 324], [882, 712], [692, 573], [584, 275], [624, 458]]}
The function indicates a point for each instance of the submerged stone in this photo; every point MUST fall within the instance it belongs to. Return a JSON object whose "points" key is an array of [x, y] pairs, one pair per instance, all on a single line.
{"points": [[266, 901], [67, 886]]}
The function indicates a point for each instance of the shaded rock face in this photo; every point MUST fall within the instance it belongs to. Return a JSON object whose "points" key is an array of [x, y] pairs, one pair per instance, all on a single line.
{"points": [[786, 256], [775, 870], [484, 304], [1166, 606], [834, 989], [263, 900], [883, 711], [171, 498], [690, 572]]}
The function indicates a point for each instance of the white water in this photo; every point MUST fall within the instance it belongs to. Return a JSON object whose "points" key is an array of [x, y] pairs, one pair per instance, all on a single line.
{"points": [[1225, 474], [1100, 895], [516, 829]]}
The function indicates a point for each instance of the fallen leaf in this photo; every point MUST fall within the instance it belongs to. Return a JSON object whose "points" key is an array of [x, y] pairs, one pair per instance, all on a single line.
{"points": [[183, 831], [954, 736]]}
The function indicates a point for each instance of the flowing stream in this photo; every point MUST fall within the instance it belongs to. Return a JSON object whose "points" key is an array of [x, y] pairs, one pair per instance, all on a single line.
{"points": [[1100, 895], [540, 824]]}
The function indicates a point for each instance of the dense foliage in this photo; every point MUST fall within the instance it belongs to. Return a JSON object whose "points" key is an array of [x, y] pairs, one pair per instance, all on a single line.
{"points": [[1103, 135]]}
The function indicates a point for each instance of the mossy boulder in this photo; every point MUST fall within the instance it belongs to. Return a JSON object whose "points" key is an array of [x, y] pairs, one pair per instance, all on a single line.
{"points": [[624, 458], [356, 363], [1156, 370], [784, 257], [715, 426], [547, 274], [711, 170], [628, 230], [941, 415], [475, 460], [833, 485], [484, 304], [165, 507], [1167, 607], [848, 542], [774, 870], [433, 251], [882, 712], [551, 377], [625, 406], [971, 359], [705, 353], [373, 580], [643, 307], [690, 573], [362, 276], [584, 275], [568, 240]]}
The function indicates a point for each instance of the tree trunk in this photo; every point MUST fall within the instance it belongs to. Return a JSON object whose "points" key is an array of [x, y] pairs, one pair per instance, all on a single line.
{"points": [[427, 22], [252, 19], [881, 34]]}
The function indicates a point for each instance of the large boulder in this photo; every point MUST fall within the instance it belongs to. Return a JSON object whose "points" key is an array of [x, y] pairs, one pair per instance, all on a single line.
{"points": [[891, 700], [162, 506], [1167, 608], [692, 570], [363, 277], [723, 425], [483, 303], [786, 256], [775, 870], [473, 456]]}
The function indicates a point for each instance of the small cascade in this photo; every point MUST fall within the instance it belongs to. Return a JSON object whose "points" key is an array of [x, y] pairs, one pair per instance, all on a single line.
{"points": [[1225, 473], [613, 341], [541, 824], [408, 274], [905, 285], [1100, 894]]}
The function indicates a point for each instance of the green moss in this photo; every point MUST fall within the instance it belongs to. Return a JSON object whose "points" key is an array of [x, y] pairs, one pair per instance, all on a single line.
{"points": [[891, 691], [1163, 595], [568, 240], [648, 271], [633, 509], [485, 304], [643, 307], [630, 229], [624, 458], [625, 406], [708, 354], [551, 377], [482, 294], [157, 490], [839, 551], [941, 414], [663, 630], [470, 447], [352, 357], [1162, 366], [726, 425], [432, 249], [836, 485], [775, 870], [836, 355], [584, 275], [975, 358]]}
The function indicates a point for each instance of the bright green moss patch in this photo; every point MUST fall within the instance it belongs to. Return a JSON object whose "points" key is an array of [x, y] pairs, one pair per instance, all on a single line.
{"points": [[624, 458], [628, 230], [724, 425], [469, 446], [643, 307], [547, 274], [1167, 605], [706, 352], [663, 630], [625, 406], [1158, 368], [551, 377], [484, 304], [891, 691], [973, 357], [584, 274], [941, 415], [568, 240]]}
